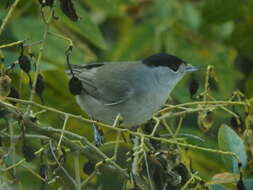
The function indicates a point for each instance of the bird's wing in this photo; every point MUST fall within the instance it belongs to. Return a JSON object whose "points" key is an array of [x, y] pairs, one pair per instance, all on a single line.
{"points": [[79, 68], [110, 91]]}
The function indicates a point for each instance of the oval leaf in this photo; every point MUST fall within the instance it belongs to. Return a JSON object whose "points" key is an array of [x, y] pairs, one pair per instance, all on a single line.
{"points": [[248, 184], [85, 27], [229, 141], [217, 187]]}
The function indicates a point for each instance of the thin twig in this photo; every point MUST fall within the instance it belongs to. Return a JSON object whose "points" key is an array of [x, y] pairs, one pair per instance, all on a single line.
{"points": [[206, 87], [156, 125], [174, 137], [116, 146], [12, 146], [17, 137], [189, 181], [20, 162], [214, 103], [60, 165], [147, 168], [34, 173], [77, 171], [63, 130], [61, 37], [41, 49], [12, 44], [225, 109], [188, 111], [5, 20], [179, 126], [85, 182]]}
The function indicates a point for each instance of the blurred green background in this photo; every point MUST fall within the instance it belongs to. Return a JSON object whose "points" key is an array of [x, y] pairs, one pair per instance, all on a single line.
{"points": [[202, 32]]}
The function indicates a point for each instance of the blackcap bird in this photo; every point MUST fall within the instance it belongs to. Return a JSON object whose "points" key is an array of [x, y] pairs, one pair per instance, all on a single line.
{"points": [[133, 89]]}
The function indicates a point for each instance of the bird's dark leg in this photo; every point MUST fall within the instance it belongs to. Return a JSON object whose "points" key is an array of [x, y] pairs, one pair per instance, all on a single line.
{"points": [[133, 138], [134, 128], [118, 121], [98, 135]]}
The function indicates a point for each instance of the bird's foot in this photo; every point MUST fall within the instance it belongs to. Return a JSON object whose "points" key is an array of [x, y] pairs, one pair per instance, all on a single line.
{"points": [[98, 135], [118, 121]]}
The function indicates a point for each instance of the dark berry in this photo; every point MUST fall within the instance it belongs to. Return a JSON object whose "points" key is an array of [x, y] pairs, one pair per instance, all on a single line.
{"points": [[68, 9], [24, 63], [237, 124], [88, 167], [43, 171], [183, 172], [13, 94], [75, 86], [39, 88], [29, 153]]}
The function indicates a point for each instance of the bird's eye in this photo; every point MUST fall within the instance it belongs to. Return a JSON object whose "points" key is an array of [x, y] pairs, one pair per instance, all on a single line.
{"points": [[174, 66]]}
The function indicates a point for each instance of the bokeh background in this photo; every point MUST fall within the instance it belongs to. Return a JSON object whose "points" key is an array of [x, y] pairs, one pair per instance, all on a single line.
{"points": [[202, 32]]}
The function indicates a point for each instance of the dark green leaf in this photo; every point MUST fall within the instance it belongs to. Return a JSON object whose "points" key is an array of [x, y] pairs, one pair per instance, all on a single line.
{"points": [[219, 11], [135, 43], [110, 7]]}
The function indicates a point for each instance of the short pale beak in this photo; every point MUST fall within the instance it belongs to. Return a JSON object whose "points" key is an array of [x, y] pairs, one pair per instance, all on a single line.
{"points": [[190, 68]]}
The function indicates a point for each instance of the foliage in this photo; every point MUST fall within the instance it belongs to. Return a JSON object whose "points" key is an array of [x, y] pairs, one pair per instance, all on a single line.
{"points": [[205, 139]]}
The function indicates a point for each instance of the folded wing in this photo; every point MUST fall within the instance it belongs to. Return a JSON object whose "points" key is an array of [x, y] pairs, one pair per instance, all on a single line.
{"points": [[108, 91]]}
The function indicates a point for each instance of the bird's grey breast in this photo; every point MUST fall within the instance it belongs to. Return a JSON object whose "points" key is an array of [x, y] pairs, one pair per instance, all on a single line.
{"points": [[149, 95]]}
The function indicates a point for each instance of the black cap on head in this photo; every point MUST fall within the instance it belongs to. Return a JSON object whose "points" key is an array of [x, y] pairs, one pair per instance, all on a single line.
{"points": [[165, 60]]}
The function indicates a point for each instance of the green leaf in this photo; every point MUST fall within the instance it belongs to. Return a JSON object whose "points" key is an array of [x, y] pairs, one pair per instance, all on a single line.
{"points": [[217, 187], [135, 43], [110, 7], [248, 184], [229, 141], [241, 37], [249, 86], [2, 14], [28, 28], [219, 11], [192, 16], [54, 49], [84, 27]]}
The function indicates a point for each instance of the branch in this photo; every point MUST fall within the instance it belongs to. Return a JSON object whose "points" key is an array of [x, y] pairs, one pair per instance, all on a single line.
{"points": [[90, 151], [83, 139], [12, 44]]}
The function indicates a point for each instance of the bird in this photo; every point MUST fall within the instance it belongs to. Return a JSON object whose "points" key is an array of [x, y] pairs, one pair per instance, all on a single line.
{"points": [[135, 90]]}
